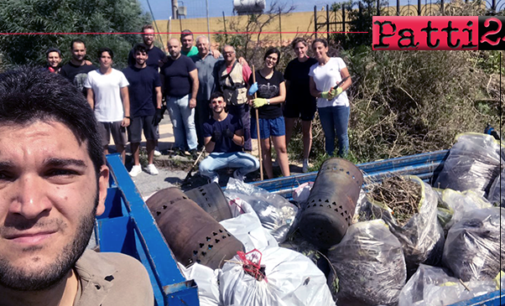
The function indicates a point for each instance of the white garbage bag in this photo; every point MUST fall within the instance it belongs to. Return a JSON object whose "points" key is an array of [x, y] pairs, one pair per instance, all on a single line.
{"points": [[287, 279], [206, 280]]}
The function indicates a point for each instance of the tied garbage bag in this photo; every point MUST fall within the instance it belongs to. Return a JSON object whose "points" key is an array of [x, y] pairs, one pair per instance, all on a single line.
{"points": [[473, 164], [207, 281], [472, 249], [459, 203], [420, 234], [432, 286], [274, 276], [497, 192], [274, 211], [302, 192], [369, 264]]}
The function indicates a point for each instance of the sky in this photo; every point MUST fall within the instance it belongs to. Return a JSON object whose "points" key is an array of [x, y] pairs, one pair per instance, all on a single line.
{"points": [[197, 8]]}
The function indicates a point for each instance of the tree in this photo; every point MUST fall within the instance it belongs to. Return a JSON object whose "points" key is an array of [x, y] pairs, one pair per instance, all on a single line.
{"points": [[67, 16]]}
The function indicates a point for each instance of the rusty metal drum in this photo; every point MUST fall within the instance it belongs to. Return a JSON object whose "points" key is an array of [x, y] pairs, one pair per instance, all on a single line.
{"points": [[191, 233], [211, 198], [329, 210]]}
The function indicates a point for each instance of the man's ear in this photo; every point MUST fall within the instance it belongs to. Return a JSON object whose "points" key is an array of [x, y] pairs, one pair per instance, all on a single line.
{"points": [[103, 185]]}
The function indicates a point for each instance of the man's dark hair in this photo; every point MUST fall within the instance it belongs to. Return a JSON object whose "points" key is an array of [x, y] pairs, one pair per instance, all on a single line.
{"points": [[108, 50], [29, 94], [186, 33], [272, 51], [216, 94], [140, 47], [50, 50], [77, 40], [147, 26]]}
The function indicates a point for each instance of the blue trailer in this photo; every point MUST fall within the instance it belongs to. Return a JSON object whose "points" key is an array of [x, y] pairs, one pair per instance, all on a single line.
{"points": [[128, 227]]}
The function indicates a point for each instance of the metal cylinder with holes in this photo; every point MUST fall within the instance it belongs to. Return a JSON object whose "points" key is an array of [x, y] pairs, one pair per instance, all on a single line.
{"points": [[329, 210], [211, 198], [191, 233]]}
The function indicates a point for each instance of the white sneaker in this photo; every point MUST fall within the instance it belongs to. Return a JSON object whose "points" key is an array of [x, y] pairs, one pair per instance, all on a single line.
{"points": [[136, 169], [151, 169], [157, 153], [305, 167], [238, 175]]}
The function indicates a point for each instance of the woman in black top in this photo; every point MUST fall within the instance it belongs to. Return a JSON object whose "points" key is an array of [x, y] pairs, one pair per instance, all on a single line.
{"points": [[271, 92], [299, 102]]}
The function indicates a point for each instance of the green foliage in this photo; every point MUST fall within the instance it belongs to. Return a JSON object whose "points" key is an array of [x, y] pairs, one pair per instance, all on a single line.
{"points": [[67, 16]]}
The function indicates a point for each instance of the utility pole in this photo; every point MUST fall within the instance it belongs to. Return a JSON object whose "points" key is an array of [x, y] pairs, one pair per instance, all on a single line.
{"points": [[174, 9]]}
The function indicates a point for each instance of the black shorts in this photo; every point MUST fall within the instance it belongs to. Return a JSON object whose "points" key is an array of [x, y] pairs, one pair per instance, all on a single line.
{"points": [[304, 110], [142, 123]]}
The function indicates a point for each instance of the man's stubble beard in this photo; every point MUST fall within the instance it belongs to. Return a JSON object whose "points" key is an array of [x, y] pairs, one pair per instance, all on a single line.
{"points": [[18, 280]]}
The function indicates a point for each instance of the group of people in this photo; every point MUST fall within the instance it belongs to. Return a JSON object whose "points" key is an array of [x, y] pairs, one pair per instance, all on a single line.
{"points": [[212, 100]]}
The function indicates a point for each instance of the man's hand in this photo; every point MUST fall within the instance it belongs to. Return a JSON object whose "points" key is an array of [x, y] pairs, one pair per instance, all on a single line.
{"points": [[328, 95], [338, 91], [158, 116], [192, 103], [242, 61], [259, 102], [216, 136], [216, 53], [253, 89], [228, 133], [125, 122]]}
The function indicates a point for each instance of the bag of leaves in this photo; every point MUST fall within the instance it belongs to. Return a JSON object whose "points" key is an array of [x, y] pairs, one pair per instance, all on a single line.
{"points": [[472, 249], [497, 191], [409, 208], [473, 164], [460, 203], [433, 286], [369, 265]]}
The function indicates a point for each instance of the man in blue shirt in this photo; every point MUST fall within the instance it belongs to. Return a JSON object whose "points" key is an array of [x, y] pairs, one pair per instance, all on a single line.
{"points": [[155, 54], [179, 80], [224, 140], [145, 108]]}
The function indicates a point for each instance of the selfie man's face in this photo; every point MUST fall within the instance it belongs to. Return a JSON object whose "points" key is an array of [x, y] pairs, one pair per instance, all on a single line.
{"points": [[49, 195]]}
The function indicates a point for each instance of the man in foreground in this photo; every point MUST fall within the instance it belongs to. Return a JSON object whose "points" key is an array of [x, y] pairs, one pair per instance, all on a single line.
{"points": [[53, 182], [108, 97], [224, 139], [145, 108]]}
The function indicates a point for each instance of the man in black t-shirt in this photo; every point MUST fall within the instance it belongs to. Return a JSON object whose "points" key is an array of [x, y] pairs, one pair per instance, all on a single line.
{"points": [[224, 139], [145, 108], [76, 71], [155, 54], [179, 80]]}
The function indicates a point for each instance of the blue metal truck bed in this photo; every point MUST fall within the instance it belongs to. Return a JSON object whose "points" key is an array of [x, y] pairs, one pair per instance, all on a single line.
{"points": [[128, 227]]}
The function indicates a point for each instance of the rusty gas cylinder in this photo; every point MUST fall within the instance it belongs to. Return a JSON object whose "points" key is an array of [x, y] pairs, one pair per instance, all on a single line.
{"points": [[191, 233], [330, 207]]}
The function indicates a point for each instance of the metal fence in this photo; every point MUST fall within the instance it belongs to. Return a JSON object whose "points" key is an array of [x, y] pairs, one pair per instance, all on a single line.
{"points": [[336, 18]]}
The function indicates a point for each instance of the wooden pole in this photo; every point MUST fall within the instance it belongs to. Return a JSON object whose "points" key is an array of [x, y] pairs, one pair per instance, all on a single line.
{"points": [[258, 126]]}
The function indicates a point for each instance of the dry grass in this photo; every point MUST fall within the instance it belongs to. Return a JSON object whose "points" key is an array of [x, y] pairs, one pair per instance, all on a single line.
{"points": [[401, 195]]}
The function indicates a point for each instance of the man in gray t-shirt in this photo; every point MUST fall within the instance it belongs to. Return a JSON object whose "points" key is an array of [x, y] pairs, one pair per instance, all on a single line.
{"points": [[204, 62]]}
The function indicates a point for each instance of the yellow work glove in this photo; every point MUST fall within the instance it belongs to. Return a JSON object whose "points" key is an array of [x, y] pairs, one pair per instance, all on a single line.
{"points": [[259, 102]]}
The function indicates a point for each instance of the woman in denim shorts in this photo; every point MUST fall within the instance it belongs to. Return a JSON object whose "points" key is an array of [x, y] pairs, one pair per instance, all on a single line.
{"points": [[271, 93]]}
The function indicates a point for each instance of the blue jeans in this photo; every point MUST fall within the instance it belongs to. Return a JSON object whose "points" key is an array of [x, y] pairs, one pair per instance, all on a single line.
{"points": [[183, 122], [334, 120], [244, 162]]}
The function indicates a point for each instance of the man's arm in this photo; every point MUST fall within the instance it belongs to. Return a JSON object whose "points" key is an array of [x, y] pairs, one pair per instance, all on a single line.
{"points": [[162, 80], [238, 138], [216, 53], [194, 92], [91, 98], [159, 96], [126, 106], [209, 145]]}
